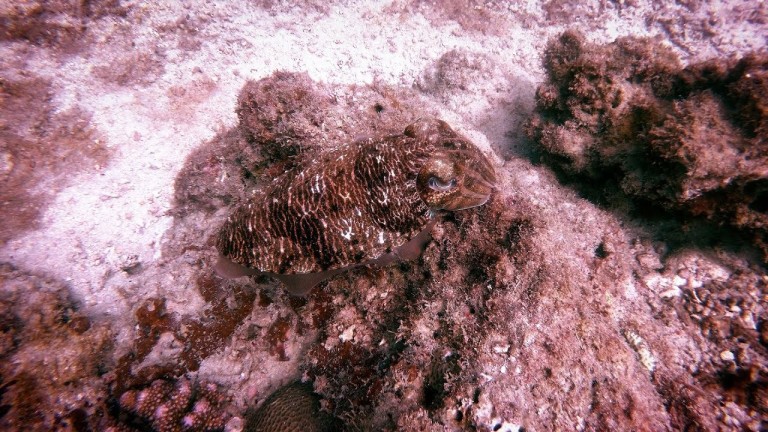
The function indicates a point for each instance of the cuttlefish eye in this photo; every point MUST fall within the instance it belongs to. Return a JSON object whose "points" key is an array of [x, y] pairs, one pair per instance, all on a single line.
{"points": [[438, 185], [456, 180]]}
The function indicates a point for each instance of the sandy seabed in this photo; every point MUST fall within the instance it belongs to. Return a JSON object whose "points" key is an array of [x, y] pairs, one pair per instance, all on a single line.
{"points": [[595, 291]]}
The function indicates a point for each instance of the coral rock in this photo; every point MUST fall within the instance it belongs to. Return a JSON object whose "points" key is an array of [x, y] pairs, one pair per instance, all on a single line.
{"points": [[627, 114], [51, 355]]}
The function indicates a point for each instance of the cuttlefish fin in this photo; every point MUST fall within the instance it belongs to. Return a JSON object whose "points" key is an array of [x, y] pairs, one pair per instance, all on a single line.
{"points": [[299, 284], [409, 251], [415, 246], [227, 268]]}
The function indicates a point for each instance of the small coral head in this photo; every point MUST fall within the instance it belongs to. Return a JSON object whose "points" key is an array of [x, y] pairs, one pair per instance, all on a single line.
{"points": [[456, 179]]}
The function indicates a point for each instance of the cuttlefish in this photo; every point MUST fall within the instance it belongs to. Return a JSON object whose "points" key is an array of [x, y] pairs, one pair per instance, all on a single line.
{"points": [[373, 201]]}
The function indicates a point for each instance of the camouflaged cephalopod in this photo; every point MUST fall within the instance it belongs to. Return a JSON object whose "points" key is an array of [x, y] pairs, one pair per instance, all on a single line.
{"points": [[368, 202]]}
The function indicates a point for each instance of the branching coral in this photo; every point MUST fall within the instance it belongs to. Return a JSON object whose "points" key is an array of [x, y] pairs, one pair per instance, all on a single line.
{"points": [[199, 336], [179, 406]]}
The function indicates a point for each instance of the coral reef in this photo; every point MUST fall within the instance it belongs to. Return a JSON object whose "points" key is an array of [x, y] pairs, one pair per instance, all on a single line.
{"points": [[229, 302], [398, 344], [514, 304], [223, 172], [478, 333], [52, 357], [486, 344], [626, 118], [182, 405], [717, 302], [508, 307], [535, 311]]}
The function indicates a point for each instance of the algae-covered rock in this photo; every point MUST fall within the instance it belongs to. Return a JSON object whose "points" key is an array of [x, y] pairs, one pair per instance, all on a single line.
{"points": [[628, 118]]}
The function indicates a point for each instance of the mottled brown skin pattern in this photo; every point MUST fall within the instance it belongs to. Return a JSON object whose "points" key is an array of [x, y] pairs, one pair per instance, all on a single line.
{"points": [[357, 203]]}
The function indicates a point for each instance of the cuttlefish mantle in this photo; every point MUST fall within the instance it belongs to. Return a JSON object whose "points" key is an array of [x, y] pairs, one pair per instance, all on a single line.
{"points": [[370, 202]]}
